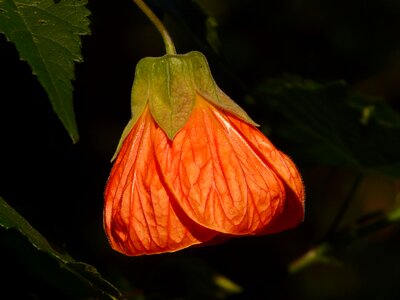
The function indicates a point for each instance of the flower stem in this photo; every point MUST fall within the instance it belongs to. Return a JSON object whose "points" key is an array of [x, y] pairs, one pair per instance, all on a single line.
{"points": [[169, 45]]}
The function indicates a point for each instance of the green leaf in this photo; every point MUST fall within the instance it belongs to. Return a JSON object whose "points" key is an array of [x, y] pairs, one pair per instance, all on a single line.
{"points": [[46, 35], [332, 124], [85, 276]]}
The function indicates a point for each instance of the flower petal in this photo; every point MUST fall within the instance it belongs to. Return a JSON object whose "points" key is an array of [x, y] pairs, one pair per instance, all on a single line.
{"points": [[217, 178], [139, 216], [285, 169]]}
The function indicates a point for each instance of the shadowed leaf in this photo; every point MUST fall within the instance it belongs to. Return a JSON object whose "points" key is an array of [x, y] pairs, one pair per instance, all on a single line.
{"points": [[331, 124], [81, 277]]}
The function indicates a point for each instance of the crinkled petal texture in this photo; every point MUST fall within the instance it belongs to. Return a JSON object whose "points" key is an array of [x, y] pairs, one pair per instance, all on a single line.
{"points": [[228, 177], [140, 216], [218, 177], [284, 168]]}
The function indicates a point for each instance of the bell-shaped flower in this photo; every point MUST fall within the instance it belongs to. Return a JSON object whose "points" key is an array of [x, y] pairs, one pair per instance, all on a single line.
{"points": [[192, 168]]}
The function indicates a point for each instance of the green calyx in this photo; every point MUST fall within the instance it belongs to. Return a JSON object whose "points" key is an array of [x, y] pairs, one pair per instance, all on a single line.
{"points": [[168, 85]]}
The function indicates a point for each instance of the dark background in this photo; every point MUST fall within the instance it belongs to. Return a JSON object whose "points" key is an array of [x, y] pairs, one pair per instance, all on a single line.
{"points": [[58, 187]]}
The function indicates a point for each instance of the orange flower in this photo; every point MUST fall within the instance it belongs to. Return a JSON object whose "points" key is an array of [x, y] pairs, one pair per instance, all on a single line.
{"points": [[211, 177]]}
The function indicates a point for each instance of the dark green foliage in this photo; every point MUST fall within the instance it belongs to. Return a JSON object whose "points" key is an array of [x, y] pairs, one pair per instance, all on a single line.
{"points": [[334, 125]]}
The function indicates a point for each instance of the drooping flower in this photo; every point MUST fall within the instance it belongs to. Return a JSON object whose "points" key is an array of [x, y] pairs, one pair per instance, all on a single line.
{"points": [[192, 167]]}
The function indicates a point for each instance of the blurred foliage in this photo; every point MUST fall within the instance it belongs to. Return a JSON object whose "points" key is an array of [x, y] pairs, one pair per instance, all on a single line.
{"points": [[333, 125], [325, 251], [337, 116]]}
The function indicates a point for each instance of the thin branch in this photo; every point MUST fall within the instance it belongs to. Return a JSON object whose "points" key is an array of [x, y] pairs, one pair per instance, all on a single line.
{"points": [[323, 252], [345, 205]]}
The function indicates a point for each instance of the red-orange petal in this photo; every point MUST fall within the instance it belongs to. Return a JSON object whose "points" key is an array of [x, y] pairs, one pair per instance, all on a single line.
{"points": [[217, 177], [285, 169], [139, 216]]}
